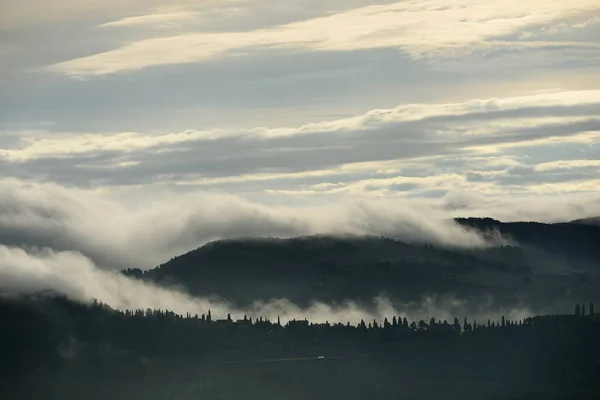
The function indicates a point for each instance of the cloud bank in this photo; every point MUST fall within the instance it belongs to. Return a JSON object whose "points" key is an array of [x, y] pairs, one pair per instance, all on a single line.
{"points": [[144, 235], [117, 234]]}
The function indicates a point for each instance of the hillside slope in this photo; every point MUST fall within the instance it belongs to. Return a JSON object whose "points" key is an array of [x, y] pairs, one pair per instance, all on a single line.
{"points": [[546, 261]]}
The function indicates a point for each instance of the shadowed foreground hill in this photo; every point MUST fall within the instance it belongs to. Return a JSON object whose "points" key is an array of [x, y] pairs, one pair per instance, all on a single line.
{"points": [[545, 262]]}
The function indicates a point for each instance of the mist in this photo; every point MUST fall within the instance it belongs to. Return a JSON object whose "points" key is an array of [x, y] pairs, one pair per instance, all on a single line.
{"points": [[74, 242], [76, 277], [116, 234]]}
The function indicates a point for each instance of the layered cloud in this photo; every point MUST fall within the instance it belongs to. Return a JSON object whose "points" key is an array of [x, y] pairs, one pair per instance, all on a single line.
{"points": [[531, 144], [420, 28]]}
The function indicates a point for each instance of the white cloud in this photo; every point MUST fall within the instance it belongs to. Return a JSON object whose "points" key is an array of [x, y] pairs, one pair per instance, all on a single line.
{"points": [[554, 207], [568, 164], [160, 19], [155, 228], [526, 114], [152, 232], [418, 27]]}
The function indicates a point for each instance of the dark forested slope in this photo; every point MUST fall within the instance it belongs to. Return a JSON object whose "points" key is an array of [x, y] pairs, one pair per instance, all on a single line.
{"points": [[595, 221], [543, 261], [569, 238]]}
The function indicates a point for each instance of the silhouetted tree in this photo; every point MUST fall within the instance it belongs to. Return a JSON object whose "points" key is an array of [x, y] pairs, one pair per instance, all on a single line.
{"points": [[456, 325]]}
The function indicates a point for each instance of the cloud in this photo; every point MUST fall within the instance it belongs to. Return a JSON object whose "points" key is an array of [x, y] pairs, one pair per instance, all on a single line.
{"points": [[31, 12], [567, 164], [76, 277], [422, 27], [152, 229], [432, 146], [116, 236], [553, 207], [71, 241], [160, 19], [480, 117]]}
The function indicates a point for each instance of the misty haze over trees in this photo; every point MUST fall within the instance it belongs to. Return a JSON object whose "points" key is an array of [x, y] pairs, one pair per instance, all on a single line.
{"points": [[297, 200], [56, 348]]}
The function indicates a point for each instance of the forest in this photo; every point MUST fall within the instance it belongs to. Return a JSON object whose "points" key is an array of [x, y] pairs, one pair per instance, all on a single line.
{"points": [[55, 348]]}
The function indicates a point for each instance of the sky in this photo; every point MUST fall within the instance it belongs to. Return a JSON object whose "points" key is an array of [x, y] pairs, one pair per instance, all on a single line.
{"points": [[305, 101], [131, 132], [466, 107]]}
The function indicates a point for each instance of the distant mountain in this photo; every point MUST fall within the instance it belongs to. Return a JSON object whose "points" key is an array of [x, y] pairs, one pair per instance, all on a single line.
{"points": [[594, 221], [548, 261]]}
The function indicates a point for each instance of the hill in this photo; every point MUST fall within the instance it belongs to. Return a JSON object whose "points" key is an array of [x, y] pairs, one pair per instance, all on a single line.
{"points": [[547, 261], [594, 221]]}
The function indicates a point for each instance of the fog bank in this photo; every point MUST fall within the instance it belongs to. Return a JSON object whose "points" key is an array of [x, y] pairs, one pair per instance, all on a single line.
{"points": [[79, 279]]}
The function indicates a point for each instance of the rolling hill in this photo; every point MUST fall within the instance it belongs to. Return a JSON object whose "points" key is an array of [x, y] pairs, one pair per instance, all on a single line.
{"points": [[546, 262]]}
